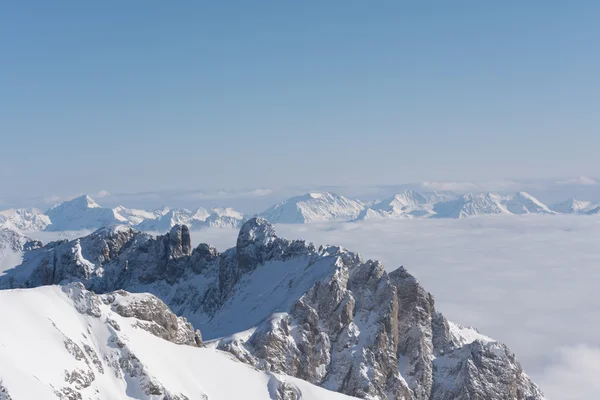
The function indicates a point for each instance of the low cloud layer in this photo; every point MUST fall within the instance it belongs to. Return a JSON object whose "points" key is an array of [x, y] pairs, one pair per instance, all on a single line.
{"points": [[527, 281]]}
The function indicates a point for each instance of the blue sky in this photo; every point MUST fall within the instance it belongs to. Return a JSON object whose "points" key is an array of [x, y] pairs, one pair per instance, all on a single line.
{"points": [[153, 95]]}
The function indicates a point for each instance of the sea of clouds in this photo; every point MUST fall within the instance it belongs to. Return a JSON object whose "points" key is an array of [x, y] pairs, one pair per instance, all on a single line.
{"points": [[530, 282]]}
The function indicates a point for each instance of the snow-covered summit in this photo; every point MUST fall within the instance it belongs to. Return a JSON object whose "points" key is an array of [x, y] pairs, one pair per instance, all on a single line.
{"points": [[408, 204], [81, 213], [524, 203], [470, 205], [24, 219], [166, 221], [573, 206], [201, 218], [313, 207], [135, 215]]}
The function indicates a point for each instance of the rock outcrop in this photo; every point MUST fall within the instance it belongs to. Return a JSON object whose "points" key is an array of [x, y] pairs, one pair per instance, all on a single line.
{"points": [[320, 314]]}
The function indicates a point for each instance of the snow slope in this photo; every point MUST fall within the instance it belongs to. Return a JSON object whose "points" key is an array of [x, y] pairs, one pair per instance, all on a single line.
{"points": [[166, 221], [574, 206], [524, 203], [136, 216], [471, 205], [67, 342], [201, 218], [220, 218], [24, 219], [313, 207], [81, 213], [411, 204], [408, 204]]}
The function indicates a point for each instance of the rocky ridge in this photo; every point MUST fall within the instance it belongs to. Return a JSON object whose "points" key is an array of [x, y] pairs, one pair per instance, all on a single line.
{"points": [[320, 314]]}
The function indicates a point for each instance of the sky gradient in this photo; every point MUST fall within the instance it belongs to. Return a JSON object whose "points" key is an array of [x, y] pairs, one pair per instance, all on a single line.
{"points": [[134, 96]]}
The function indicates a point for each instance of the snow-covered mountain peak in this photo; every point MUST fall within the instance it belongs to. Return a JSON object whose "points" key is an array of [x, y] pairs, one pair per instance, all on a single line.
{"points": [[256, 231], [201, 218], [407, 204], [201, 214], [471, 204], [24, 219], [82, 213], [408, 197], [81, 202], [133, 215], [524, 203], [227, 212], [312, 207], [573, 206]]}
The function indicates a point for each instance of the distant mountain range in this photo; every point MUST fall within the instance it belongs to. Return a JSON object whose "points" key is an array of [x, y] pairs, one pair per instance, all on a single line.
{"points": [[83, 213]]}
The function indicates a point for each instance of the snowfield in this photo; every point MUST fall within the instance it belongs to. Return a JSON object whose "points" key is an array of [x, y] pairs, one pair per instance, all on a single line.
{"points": [[529, 281], [45, 327]]}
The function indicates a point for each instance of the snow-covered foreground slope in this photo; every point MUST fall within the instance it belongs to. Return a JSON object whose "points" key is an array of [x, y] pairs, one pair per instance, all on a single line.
{"points": [[313, 207], [67, 343], [320, 314]]}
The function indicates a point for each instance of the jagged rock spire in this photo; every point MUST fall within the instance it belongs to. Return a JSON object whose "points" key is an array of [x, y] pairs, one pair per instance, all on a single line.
{"points": [[256, 235]]}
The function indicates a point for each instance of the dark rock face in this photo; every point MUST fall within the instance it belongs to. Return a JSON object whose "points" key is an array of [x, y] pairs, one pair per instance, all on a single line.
{"points": [[178, 242], [323, 315]]}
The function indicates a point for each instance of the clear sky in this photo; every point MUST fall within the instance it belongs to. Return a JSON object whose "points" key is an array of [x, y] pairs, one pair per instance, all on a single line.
{"points": [[151, 95]]}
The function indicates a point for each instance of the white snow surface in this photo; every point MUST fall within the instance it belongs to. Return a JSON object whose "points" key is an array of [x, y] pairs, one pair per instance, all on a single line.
{"points": [[166, 221], [472, 204], [573, 206], [408, 204], [81, 213], [313, 207], [201, 218], [24, 219], [42, 333], [524, 203], [135, 216]]}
